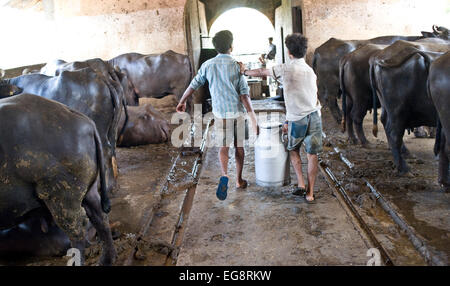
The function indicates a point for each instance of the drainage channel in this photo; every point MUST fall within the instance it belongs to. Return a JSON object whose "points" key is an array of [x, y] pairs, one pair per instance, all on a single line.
{"points": [[338, 189], [419, 244], [149, 216], [180, 228]]}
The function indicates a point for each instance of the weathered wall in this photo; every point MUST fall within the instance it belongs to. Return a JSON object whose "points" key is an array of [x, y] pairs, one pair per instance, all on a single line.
{"points": [[363, 19], [196, 27], [81, 29], [35, 31], [283, 21]]}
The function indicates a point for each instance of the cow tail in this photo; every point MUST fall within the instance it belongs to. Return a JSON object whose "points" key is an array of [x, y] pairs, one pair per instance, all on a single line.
{"points": [[116, 102], [314, 63], [122, 130], [437, 142], [427, 60], [374, 97], [343, 92], [106, 203]]}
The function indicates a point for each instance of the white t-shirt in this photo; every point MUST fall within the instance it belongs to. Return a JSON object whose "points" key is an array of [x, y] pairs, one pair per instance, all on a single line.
{"points": [[300, 88]]}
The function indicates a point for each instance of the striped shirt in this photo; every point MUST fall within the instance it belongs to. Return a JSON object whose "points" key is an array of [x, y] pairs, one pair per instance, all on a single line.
{"points": [[226, 84]]}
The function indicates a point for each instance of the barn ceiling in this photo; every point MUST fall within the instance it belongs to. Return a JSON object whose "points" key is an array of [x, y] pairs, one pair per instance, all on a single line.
{"points": [[214, 8]]}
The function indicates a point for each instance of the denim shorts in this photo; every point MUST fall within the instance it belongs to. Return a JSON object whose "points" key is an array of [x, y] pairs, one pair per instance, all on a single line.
{"points": [[230, 130], [307, 130]]}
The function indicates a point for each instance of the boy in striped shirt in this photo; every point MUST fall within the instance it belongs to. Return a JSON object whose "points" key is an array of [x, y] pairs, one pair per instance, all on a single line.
{"points": [[230, 99]]}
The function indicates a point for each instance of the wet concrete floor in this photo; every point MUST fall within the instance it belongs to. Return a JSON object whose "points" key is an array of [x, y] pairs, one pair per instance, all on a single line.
{"points": [[267, 226], [417, 196]]}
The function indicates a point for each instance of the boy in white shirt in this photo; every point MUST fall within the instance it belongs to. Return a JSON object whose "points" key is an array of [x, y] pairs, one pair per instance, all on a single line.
{"points": [[303, 119]]}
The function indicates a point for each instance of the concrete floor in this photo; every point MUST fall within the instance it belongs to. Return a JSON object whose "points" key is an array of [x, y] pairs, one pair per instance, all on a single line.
{"points": [[266, 226]]}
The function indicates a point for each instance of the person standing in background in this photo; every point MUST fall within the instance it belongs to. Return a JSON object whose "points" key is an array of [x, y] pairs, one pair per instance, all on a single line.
{"points": [[271, 52]]}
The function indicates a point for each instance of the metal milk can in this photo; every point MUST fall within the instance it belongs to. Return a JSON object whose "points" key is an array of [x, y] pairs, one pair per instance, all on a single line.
{"points": [[272, 166]]}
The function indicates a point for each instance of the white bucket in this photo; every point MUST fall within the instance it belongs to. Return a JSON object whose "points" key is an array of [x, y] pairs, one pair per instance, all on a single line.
{"points": [[272, 166]]}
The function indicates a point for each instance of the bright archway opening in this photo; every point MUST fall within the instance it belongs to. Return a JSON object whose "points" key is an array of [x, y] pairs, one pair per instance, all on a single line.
{"points": [[251, 30]]}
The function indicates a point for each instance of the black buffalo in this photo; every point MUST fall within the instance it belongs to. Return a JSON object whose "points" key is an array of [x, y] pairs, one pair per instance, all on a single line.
{"points": [[145, 125], [439, 89], [398, 76], [89, 93], [147, 76], [156, 75], [51, 165], [356, 91], [117, 77], [326, 66], [327, 56]]}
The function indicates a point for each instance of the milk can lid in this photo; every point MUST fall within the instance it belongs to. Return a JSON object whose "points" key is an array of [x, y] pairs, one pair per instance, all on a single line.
{"points": [[270, 125]]}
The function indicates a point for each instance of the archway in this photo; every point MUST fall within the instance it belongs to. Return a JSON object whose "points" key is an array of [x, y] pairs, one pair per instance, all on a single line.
{"points": [[250, 37]]}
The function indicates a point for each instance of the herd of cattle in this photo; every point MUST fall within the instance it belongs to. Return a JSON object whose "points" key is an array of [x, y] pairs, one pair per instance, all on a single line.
{"points": [[59, 130], [409, 77]]}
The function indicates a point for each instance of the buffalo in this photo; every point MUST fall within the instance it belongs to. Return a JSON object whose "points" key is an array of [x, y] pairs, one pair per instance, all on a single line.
{"points": [[145, 125], [118, 78], [326, 66], [399, 78], [52, 166], [148, 76], [156, 75], [327, 56], [89, 93], [356, 90], [439, 88]]}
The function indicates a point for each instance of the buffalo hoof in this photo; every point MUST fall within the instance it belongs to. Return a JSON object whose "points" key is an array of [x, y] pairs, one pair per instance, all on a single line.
{"points": [[108, 259], [406, 174], [404, 171]]}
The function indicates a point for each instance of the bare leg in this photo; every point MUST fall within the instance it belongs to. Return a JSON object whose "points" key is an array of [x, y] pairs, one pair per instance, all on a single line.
{"points": [[223, 158], [239, 156], [296, 161], [313, 169]]}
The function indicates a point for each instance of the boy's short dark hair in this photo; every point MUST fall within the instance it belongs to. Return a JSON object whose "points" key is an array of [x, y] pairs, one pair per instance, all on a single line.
{"points": [[271, 39], [223, 41], [297, 45]]}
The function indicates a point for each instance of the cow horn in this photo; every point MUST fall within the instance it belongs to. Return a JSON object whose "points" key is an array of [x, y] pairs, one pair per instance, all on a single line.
{"points": [[117, 68], [436, 29]]}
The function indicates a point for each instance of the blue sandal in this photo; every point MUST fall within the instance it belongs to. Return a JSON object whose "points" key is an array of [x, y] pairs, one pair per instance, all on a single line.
{"points": [[222, 188]]}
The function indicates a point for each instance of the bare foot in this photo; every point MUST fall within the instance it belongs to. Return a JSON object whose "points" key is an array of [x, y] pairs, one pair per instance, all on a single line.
{"points": [[242, 184], [309, 198]]}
